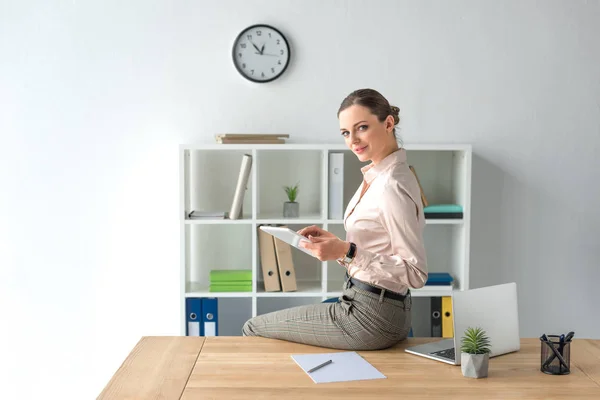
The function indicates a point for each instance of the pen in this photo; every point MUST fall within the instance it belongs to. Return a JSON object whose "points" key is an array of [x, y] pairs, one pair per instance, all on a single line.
{"points": [[320, 366]]}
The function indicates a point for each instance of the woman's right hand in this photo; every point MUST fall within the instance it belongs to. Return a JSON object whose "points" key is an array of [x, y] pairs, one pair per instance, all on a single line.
{"points": [[316, 231]]}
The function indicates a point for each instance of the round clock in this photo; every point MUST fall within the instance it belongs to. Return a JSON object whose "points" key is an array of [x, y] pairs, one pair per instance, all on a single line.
{"points": [[261, 53]]}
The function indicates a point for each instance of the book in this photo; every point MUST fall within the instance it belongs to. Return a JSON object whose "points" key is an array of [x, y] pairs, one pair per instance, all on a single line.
{"points": [[195, 214], [442, 211], [231, 275], [256, 138], [439, 279], [250, 141]]}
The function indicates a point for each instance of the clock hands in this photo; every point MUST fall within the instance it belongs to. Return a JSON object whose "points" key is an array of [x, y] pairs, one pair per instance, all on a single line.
{"points": [[256, 47]]}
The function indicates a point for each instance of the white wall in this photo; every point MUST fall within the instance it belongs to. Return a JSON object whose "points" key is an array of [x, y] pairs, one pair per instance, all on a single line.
{"points": [[96, 96]]}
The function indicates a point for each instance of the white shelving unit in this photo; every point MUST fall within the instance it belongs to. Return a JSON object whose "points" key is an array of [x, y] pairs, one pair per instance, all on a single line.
{"points": [[208, 176]]}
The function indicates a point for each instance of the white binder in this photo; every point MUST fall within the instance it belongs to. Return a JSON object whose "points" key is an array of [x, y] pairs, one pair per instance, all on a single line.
{"points": [[336, 185]]}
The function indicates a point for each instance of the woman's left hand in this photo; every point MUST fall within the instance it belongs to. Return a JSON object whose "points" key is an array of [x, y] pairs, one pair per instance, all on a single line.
{"points": [[326, 248]]}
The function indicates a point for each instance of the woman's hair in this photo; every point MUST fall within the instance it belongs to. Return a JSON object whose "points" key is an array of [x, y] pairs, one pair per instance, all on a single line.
{"points": [[375, 102]]}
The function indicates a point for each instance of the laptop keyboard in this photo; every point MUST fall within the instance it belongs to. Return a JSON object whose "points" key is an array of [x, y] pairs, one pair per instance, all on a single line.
{"points": [[448, 353]]}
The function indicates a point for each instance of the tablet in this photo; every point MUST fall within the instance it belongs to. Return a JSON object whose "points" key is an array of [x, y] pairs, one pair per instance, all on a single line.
{"points": [[287, 235]]}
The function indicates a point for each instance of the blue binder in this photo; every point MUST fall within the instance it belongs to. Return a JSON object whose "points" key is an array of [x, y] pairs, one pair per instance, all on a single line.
{"points": [[210, 317], [193, 317]]}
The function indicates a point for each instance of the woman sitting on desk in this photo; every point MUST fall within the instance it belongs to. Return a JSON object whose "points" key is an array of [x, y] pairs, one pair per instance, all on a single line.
{"points": [[383, 252]]}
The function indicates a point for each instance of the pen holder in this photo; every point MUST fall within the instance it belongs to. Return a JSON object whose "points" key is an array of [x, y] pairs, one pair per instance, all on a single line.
{"points": [[555, 355]]}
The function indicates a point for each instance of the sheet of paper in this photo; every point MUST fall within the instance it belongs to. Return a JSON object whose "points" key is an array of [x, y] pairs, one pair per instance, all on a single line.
{"points": [[346, 366]]}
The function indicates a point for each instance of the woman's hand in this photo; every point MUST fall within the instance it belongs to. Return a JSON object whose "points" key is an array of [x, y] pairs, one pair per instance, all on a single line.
{"points": [[315, 231], [326, 248]]}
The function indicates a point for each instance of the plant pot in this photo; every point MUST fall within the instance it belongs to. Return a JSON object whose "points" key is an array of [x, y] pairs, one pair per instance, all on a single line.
{"points": [[291, 209], [474, 365]]}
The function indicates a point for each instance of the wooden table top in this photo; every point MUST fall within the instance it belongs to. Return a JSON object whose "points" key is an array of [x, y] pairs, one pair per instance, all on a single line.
{"points": [[252, 367]]}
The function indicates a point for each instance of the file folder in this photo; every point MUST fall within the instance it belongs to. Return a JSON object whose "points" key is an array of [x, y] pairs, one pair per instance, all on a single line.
{"points": [[436, 316], [210, 318], [447, 322], [193, 311], [336, 185], [285, 262], [268, 262]]}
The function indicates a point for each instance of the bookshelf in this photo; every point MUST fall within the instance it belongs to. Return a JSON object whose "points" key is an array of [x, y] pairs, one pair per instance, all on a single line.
{"points": [[208, 176]]}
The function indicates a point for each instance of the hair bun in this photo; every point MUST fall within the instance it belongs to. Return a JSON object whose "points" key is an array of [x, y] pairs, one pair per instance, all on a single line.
{"points": [[395, 114]]}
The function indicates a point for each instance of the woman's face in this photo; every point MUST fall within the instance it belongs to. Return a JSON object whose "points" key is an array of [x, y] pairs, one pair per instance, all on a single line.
{"points": [[368, 138]]}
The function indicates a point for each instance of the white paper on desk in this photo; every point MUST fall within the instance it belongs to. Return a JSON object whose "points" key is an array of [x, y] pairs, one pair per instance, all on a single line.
{"points": [[346, 366]]}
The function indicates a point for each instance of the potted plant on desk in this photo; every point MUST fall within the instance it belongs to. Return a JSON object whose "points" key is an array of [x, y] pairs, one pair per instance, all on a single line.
{"points": [[475, 353], [291, 209]]}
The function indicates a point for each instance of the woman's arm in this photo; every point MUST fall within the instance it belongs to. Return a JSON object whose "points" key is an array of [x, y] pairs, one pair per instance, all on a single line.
{"points": [[400, 216]]}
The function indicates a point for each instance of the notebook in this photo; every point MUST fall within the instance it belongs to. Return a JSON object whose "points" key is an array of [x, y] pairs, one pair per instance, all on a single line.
{"points": [[345, 366]]}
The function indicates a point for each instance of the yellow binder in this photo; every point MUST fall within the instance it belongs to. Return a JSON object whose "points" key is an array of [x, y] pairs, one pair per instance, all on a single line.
{"points": [[447, 322]]}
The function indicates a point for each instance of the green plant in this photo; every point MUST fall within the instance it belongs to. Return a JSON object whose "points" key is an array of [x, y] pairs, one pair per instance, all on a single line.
{"points": [[475, 341], [292, 192]]}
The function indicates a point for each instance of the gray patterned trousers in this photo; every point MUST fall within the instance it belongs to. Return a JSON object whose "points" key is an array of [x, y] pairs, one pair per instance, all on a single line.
{"points": [[360, 320]]}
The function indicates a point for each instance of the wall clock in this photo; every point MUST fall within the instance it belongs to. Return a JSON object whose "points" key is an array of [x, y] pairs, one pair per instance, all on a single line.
{"points": [[261, 53]]}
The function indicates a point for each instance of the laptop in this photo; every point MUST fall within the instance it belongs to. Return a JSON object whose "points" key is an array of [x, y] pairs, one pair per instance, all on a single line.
{"points": [[492, 308]]}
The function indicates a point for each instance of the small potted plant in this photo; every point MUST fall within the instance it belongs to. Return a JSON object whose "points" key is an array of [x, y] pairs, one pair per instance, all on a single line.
{"points": [[291, 209], [475, 353]]}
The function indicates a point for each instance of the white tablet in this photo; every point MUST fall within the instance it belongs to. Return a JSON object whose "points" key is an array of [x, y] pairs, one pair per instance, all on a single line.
{"points": [[287, 235]]}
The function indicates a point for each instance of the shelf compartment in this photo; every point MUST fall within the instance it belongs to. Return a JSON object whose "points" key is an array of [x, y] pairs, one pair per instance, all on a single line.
{"points": [[443, 175], [233, 314], [279, 168], [209, 182], [219, 247], [308, 271]]}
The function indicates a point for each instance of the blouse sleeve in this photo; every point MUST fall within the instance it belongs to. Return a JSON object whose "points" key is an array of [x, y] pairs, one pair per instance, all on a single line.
{"points": [[403, 220]]}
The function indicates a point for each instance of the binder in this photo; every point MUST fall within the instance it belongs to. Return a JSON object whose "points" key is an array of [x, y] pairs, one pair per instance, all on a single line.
{"points": [[447, 318], [436, 316], [268, 262], [193, 312], [210, 317], [336, 185], [285, 263]]}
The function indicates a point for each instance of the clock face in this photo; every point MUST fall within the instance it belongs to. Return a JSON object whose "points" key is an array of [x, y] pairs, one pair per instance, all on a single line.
{"points": [[261, 53]]}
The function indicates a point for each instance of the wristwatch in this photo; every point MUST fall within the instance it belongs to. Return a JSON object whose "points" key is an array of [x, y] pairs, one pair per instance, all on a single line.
{"points": [[350, 254]]}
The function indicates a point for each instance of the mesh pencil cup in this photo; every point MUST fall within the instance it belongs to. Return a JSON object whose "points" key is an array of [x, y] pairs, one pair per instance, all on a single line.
{"points": [[555, 356]]}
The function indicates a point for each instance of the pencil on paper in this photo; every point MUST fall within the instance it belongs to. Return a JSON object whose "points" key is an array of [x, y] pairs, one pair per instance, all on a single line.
{"points": [[320, 366]]}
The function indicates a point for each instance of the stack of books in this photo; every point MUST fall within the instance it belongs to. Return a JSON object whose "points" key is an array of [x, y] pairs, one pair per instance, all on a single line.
{"points": [[254, 138], [232, 280]]}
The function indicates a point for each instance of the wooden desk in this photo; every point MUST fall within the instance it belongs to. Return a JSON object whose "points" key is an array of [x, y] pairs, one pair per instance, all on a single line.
{"points": [[250, 367]]}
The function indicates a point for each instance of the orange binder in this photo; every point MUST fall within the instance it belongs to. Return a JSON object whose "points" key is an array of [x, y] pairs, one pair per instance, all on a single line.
{"points": [[268, 262]]}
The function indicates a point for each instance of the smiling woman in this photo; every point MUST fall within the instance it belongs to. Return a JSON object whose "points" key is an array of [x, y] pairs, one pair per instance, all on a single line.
{"points": [[383, 252]]}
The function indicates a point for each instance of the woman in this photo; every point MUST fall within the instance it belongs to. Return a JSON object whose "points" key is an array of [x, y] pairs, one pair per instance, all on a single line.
{"points": [[383, 253]]}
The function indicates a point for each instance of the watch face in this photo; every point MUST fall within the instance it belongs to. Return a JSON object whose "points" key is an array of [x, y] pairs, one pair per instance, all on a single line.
{"points": [[261, 53]]}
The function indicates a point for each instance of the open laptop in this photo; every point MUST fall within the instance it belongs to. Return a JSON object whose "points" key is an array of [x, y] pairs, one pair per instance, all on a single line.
{"points": [[492, 308]]}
